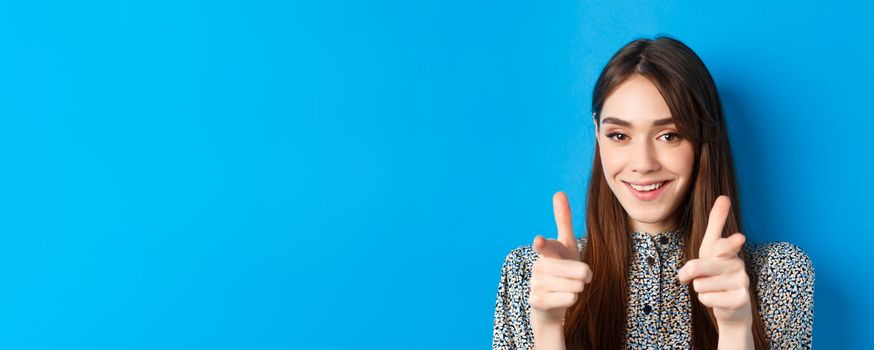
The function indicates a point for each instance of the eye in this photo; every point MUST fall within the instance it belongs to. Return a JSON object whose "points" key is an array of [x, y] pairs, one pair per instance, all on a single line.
{"points": [[671, 137], [619, 136]]}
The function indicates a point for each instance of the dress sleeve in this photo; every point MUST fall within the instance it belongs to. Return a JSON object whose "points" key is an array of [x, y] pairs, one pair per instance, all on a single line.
{"points": [[511, 313], [787, 301]]}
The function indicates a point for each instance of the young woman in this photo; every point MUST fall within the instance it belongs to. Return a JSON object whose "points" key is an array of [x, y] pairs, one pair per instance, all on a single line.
{"points": [[663, 263]]}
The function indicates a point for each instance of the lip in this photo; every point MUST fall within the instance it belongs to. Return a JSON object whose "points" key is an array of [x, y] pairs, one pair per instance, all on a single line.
{"points": [[651, 195]]}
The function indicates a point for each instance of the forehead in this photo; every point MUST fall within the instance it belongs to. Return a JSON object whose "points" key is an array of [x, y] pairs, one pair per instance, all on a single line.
{"points": [[638, 101]]}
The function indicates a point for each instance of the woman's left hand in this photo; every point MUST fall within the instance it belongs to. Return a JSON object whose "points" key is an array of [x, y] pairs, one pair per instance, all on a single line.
{"points": [[719, 275]]}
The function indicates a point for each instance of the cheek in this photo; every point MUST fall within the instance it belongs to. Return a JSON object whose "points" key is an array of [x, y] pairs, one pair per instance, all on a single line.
{"points": [[611, 161], [681, 160]]}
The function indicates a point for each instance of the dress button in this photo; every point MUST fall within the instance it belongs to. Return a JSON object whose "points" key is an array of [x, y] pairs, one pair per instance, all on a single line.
{"points": [[650, 260], [663, 240], [647, 309]]}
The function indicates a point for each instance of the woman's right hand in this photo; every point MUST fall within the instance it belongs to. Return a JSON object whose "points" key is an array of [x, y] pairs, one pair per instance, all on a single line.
{"points": [[558, 275]]}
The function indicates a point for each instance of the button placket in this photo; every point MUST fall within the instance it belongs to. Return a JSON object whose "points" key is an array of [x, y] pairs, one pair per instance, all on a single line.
{"points": [[663, 254], [654, 272]]}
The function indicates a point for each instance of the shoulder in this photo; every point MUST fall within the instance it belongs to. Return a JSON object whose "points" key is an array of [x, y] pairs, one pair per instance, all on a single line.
{"points": [[779, 260], [516, 270], [784, 278]]}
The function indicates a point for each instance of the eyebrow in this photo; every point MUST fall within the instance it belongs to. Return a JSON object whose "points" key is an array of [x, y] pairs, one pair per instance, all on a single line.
{"points": [[617, 121]]}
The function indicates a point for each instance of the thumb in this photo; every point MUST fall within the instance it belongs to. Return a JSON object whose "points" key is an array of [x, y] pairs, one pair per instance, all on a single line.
{"points": [[729, 247]]}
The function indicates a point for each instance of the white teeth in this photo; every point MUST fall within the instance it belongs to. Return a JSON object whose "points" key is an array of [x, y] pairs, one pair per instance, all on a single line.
{"points": [[646, 188]]}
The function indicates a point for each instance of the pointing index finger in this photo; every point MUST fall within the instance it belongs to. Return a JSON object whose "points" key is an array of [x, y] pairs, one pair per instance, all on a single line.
{"points": [[715, 224], [562, 211]]}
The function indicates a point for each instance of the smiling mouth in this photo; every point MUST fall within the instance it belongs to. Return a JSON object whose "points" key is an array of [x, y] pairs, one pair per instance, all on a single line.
{"points": [[646, 187]]}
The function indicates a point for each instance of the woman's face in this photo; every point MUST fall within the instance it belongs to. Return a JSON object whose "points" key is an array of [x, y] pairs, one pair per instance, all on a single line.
{"points": [[647, 165]]}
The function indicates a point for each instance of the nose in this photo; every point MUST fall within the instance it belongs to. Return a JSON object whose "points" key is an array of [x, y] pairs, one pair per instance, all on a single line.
{"points": [[643, 158]]}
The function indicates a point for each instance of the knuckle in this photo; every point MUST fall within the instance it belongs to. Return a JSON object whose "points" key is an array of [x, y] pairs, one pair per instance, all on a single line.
{"points": [[538, 267], [704, 298], [536, 283], [534, 300], [738, 299], [739, 303], [691, 268], [581, 272], [735, 304], [737, 264]]}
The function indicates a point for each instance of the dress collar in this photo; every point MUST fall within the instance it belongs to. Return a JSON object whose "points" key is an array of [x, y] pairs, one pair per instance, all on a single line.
{"points": [[669, 240]]}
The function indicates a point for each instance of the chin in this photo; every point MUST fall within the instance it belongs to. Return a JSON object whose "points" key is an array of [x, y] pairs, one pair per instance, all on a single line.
{"points": [[647, 218], [649, 215]]}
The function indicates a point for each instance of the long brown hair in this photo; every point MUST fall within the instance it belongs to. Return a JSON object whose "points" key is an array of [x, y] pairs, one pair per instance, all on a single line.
{"points": [[598, 319]]}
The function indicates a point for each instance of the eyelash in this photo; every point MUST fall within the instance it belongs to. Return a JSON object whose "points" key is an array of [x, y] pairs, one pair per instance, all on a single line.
{"points": [[676, 136]]}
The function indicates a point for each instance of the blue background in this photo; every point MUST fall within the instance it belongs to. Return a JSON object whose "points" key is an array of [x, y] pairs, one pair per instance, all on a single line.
{"points": [[271, 175]]}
